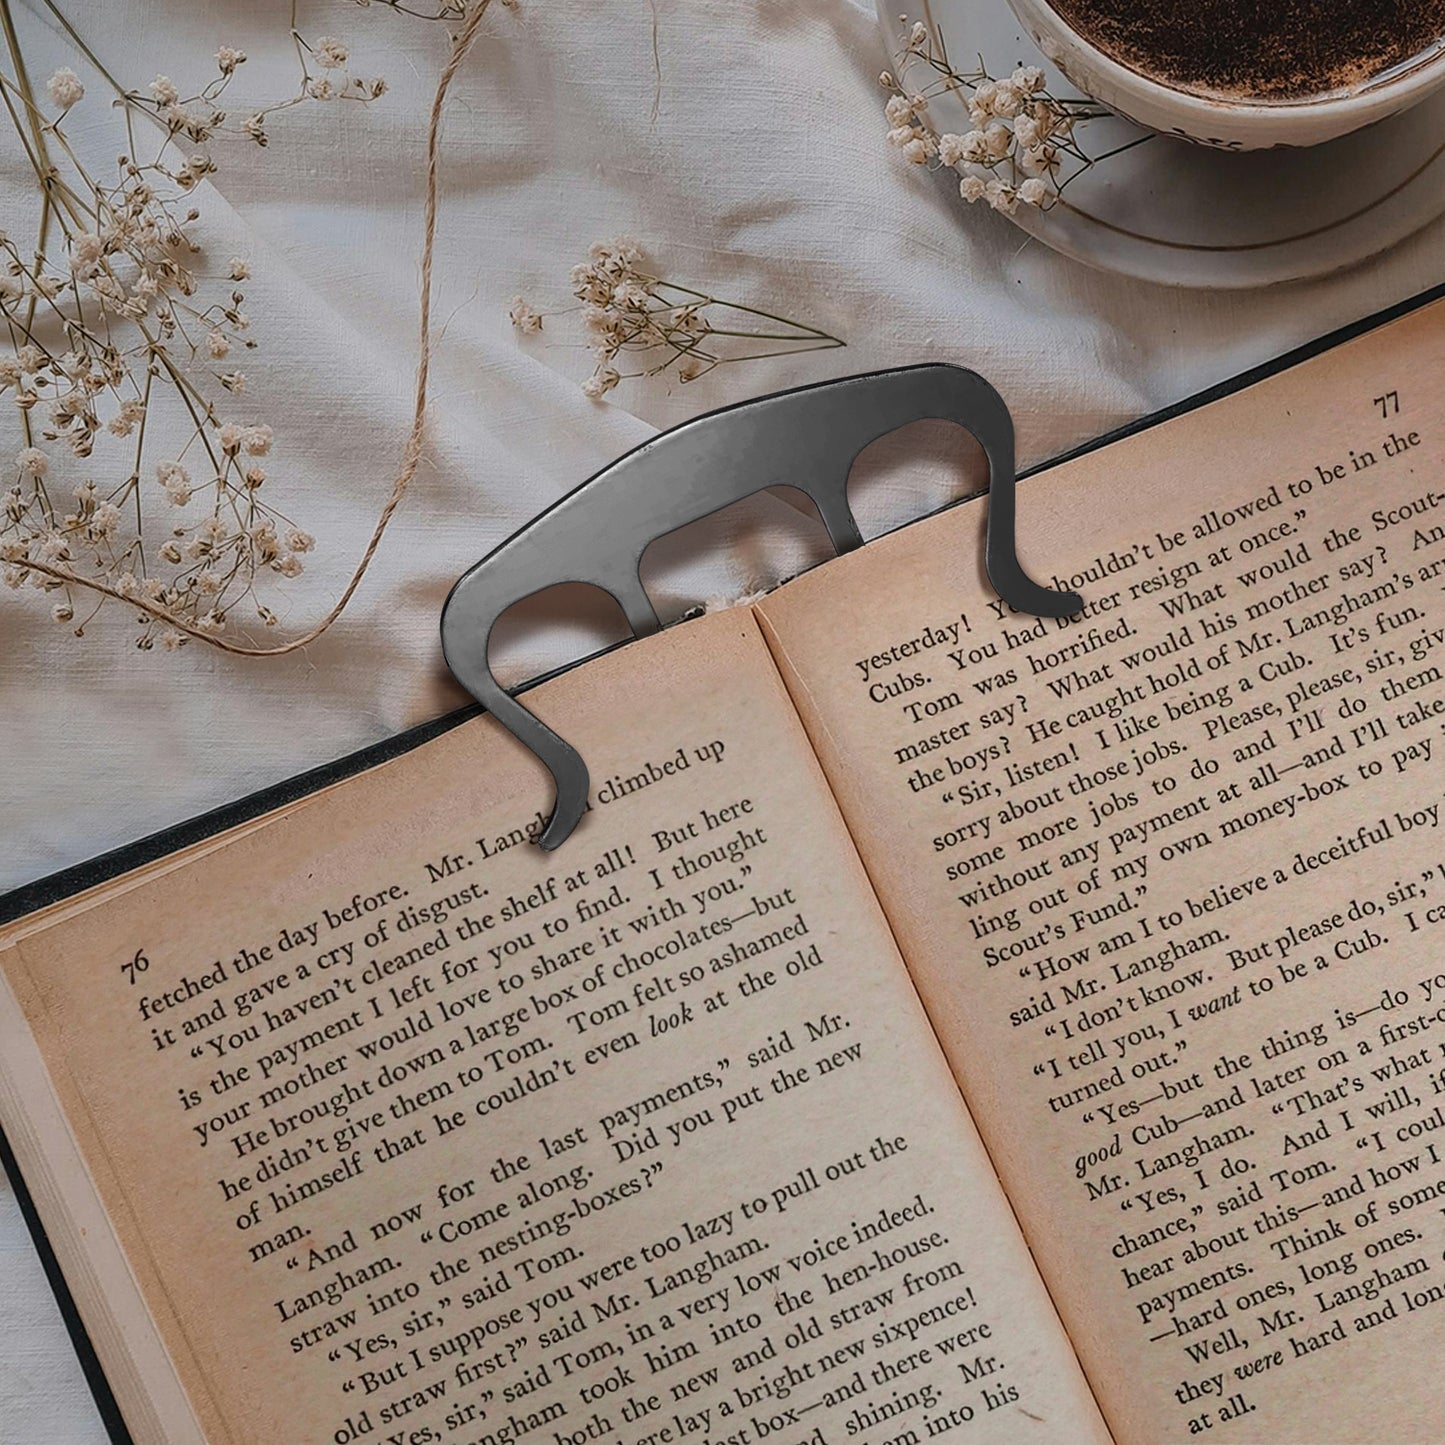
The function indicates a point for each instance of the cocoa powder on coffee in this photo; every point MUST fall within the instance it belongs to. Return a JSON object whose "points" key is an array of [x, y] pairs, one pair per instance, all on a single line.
{"points": [[1264, 49]]}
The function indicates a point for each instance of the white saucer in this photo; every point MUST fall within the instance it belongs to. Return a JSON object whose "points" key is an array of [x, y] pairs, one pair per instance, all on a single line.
{"points": [[1185, 215]]}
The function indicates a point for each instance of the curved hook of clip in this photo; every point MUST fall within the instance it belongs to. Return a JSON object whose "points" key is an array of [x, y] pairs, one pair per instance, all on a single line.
{"points": [[807, 438]]}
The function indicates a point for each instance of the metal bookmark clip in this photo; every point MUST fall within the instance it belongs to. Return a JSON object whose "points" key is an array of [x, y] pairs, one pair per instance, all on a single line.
{"points": [[807, 438]]}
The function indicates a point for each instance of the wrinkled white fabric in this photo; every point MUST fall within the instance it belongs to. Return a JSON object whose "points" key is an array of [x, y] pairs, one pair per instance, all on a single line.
{"points": [[748, 158]]}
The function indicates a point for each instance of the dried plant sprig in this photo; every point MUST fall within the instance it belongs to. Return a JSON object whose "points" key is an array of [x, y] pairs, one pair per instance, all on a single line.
{"points": [[628, 311], [1021, 133], [112, 322]]}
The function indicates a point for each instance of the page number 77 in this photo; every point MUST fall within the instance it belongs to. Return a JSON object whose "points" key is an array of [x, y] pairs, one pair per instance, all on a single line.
{"points": [[1389, 404]]}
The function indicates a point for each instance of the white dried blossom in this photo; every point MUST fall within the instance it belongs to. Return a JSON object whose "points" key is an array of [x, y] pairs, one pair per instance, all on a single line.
{"points": [[171, 639], [104, 520], [950, 149], [971, 188], [193, 127], [975, 147], [228, 58], [64, 88], [600, 382], [124, 421], [239, 269], [299, 541], [627, 308], [1001, 196], [254, 476], [322, 87], [288, 564], [62, 612], [85, 250], [229, 437], [918, 36], [998, 140], [523, 317], [1028, 79], [164, 91], [632, 295], [234, 382], [208, 583], [218, 344], [330, 53], [175, 482], [258, 440], [1007, 100], [898, 110], [1033, 192], [916, 151], [32, 461], [9, 370]]}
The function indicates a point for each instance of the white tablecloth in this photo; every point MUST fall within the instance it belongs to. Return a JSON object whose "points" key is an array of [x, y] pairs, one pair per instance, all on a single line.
{"points": [[748, 159]]}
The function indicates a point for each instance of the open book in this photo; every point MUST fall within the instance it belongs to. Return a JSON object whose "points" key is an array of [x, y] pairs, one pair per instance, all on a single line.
{"points": [[945, 1023]]}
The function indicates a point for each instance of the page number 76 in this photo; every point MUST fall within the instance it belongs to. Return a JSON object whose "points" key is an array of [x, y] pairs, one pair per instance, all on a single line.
{"points": [[1389, 404]]}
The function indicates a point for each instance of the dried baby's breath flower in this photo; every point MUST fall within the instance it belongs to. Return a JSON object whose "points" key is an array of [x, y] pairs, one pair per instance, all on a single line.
{"points": [[175, 482], [602, 380], [523, 317], [627, 309], [64, 88], [330, 53], [1013, 153]]}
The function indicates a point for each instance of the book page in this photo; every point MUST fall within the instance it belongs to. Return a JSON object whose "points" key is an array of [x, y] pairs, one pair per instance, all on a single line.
{"points": [[413, 1133], [1169, 876]]}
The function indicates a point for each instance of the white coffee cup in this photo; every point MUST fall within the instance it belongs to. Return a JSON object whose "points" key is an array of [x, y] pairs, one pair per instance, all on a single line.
{"points": [[1230, 124]]}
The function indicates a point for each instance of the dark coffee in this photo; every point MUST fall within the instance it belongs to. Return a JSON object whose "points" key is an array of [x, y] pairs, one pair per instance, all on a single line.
{"points": [[1258, 49]]}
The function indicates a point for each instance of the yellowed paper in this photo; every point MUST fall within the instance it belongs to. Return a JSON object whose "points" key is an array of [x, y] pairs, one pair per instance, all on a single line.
{"points": [[412, 1133], [1169, 877]]}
